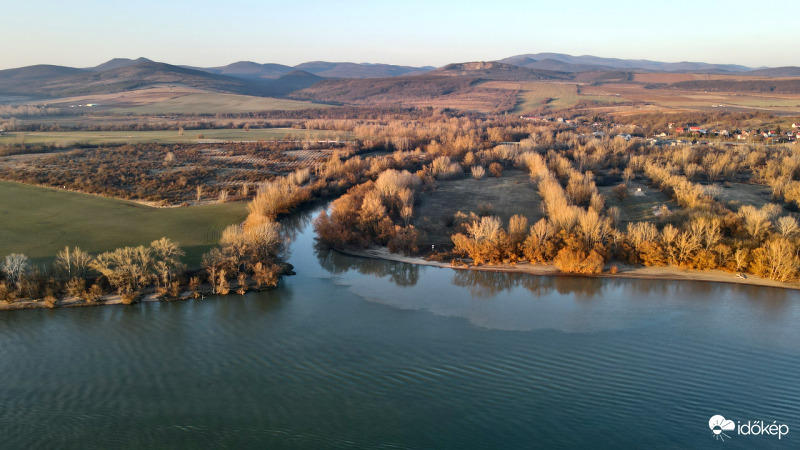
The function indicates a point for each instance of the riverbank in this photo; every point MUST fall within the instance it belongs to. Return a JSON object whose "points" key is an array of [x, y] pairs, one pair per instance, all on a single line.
{"points": [[625, 271], [149, 295]]}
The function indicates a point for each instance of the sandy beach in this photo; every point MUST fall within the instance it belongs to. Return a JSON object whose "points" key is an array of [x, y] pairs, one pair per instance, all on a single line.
{"points": [[625, 271]]}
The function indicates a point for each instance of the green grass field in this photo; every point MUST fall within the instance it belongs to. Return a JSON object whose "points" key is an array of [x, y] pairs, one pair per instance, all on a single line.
{"points": [[67, 138], [212, 103], [41, 221]]}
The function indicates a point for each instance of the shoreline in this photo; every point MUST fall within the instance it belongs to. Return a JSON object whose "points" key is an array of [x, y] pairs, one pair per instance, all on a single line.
{"points": [[149, 295], [625, 271]]}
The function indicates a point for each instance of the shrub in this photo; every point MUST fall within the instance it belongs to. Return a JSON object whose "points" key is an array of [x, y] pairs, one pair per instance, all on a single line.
{"points": [[574, 261]]}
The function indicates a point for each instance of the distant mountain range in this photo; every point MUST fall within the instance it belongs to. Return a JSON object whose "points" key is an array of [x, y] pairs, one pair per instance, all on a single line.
{"points": [[341, 79], [252, 70], [569, 63]]}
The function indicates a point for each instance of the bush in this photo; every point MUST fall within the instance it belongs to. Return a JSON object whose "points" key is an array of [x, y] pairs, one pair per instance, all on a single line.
{"points": [[574, 261]]}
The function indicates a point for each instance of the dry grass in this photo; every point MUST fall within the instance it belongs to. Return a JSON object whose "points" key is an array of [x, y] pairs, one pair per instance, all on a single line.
{"points": [[511, 194], [635, 209], [125, 99], [533, 95], [740, 194]]}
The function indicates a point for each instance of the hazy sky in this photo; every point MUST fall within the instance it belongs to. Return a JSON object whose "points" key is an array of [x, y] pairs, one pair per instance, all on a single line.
{"points": [[210, 33]]}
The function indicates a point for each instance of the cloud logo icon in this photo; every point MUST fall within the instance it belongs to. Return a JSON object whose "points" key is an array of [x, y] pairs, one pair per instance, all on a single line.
{"points": [[719, 425]]}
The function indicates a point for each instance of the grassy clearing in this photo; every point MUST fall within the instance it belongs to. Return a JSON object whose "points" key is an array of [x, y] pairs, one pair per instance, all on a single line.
{"points": [[513, 193], [737, 195], [634, 208], [40, 221], [212, 103], [68, 138]]}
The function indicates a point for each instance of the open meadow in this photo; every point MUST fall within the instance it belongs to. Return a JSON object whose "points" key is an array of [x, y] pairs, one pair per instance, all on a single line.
{"points": [[513, 193], [40, 221], [635, 208]]}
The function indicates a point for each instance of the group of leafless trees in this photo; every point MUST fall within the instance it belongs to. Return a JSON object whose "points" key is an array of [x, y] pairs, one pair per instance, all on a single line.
{"points": [[579, 233], [75, 273], [374, 212]]}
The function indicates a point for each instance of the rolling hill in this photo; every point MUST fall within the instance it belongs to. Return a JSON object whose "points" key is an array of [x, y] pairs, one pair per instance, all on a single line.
{"points": [[776, 72], [25, 80], [54, 81], [118, 63], [353, 70], [499, 71], [554, 65], [249, 69], [626, 64]]}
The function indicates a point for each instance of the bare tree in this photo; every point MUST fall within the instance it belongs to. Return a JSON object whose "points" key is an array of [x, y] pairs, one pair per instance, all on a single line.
{"points": [[73, 262], [787, 226], [166, 260], [15, 267], [126, 268]]}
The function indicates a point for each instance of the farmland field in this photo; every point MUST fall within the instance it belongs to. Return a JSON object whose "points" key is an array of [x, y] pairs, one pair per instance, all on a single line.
{"points": [[682, 99], [212, 103], [41, 221], [533, 95], [68, 138]]}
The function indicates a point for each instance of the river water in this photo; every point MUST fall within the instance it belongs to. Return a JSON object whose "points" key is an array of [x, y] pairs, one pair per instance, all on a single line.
{"points": [[359, 353]]}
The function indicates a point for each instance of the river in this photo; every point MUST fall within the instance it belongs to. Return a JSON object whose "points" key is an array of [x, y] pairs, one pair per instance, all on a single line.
{"points": [[359, 353]]}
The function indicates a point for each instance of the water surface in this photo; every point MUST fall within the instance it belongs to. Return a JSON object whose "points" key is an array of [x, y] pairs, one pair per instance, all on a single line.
{"points": [[359, 353]]}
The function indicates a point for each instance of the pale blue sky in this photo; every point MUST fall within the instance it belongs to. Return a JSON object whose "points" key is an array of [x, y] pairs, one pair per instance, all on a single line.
{"points": [[210, 33]]}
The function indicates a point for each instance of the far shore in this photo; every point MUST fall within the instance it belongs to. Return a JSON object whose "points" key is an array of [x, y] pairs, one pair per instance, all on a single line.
{"points": [[625, 271]]}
